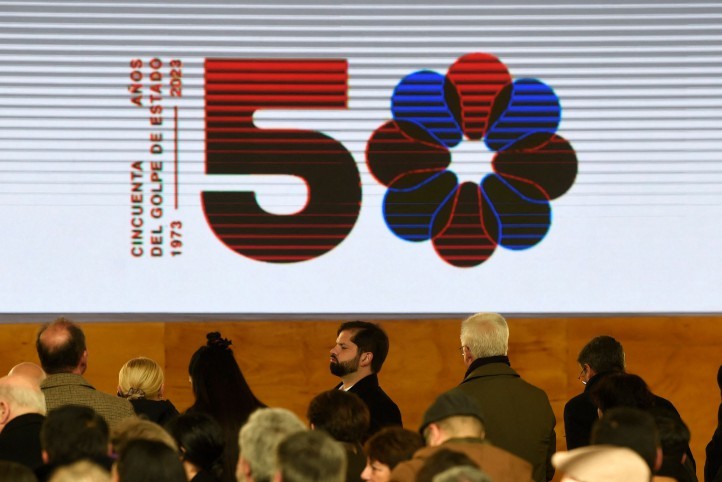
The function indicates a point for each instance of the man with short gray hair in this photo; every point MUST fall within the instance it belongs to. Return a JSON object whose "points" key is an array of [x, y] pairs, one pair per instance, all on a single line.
{"points": [[22, 411], [518, 415], [310, 456], [259, 439]]}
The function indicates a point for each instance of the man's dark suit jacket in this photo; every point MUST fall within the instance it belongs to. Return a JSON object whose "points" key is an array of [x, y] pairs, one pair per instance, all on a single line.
{"points": [[384, 412], [580, 413], [20, 440]]}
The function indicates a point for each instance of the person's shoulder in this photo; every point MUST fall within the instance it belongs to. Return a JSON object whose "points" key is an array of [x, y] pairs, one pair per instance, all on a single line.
{"points": [[24, 421], [495, 460], [372, 393], [406, 471], [62, 380], [112, 401], [500, 454], [159, 411], [664, 404], [582, 400]]}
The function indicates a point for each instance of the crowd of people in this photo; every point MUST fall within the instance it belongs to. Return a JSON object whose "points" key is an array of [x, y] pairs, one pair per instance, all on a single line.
{"points": [[494, 426]]}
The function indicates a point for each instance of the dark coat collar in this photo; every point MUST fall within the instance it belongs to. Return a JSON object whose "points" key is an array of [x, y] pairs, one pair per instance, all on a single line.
{"points": [[368, 382], [480, 362]]}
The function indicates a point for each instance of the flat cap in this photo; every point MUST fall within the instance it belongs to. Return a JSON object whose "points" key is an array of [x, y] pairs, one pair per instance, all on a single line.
{"points": [[453, 403], [603, 463]]}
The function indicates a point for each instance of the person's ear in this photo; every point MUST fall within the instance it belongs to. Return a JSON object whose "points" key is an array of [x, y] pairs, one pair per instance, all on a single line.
{"points": [[658, 461], [433, 437], [83, 364], [366, 358], [468, 357], [4, 413], [243, 470]]}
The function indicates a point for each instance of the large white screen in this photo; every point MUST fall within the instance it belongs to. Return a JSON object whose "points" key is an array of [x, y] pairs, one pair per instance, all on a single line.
{"points": [[123, 123]]}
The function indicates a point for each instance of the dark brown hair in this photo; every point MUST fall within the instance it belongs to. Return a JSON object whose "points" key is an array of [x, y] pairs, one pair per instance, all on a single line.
{"points": [[343, 415], [393, 445]]}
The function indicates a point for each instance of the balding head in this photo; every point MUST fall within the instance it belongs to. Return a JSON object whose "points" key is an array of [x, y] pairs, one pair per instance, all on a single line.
{"points": [[19, 395], [61, 348], [28, 370]]}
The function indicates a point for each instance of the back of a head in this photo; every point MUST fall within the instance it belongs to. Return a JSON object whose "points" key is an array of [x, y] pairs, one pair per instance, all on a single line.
{"points": [[219, 387], [149, 461], [311, 456], [200, 440], [369, 338], [22, 394], [60, 346], [457, 414], [343, 415], [603, 354], [441, 461], [260, 436], [462, 426], [622, 390], [674, 436], [82, 471], [73, 432], [393, 445], [134, 428], [29, 370], [486, 335], [631, 428], [601, 463], [15, 472], [462, 474], [140, 378]]}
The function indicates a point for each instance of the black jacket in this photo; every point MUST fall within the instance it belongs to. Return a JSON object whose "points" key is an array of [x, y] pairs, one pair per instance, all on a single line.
{"points": [[580, 413], [20, 440], [384, 412]]}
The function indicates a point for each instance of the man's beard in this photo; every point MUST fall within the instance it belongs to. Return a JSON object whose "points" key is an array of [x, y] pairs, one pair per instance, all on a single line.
{"points": [[341, 369]]}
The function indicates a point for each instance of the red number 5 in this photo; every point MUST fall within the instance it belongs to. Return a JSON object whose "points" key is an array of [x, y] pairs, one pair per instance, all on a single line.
{"points": [[235, 89]]}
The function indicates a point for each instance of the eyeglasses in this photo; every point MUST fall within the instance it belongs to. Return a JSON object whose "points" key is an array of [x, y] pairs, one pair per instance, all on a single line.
{"points": [[461, 349], [584, 382]]}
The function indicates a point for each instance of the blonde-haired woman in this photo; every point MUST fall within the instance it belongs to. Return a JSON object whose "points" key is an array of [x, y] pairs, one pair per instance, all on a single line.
{"points": [[142, 382]]}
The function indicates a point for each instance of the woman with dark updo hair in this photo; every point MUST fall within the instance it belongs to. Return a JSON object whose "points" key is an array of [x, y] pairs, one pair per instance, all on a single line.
{"points": [[222, 392]]}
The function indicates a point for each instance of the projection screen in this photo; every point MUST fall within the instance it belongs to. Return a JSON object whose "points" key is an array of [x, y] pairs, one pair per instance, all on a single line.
{"points": [[352, 157]]}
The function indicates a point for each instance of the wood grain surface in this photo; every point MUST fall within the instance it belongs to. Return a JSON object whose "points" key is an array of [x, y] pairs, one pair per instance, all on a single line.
{"points": [[286, 362]]}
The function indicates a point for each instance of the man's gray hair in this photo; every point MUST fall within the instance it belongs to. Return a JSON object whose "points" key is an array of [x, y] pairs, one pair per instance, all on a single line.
{"points": [[462, 473], [260, 436], [311, 456], [486, 334], [22, 397]]}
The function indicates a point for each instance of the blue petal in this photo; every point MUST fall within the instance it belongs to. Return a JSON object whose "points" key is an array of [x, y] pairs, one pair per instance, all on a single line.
{"points": [[532, 108], [419, 98], [523, 221], [412, 200]]}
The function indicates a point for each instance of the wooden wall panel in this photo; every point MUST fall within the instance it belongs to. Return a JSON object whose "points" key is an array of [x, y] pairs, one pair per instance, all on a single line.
{"points": [[286, 362]]}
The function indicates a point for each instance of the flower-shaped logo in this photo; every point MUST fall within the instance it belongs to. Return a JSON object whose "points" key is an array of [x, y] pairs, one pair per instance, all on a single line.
{"points": [[476, 100]]}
